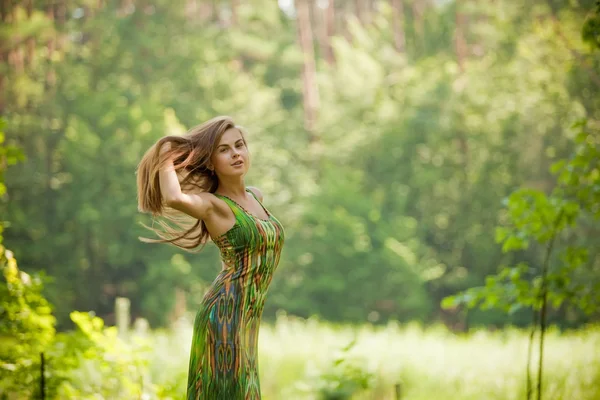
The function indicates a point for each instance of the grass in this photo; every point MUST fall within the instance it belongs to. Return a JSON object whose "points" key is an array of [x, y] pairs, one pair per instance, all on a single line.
{"points": [[430, 363]]}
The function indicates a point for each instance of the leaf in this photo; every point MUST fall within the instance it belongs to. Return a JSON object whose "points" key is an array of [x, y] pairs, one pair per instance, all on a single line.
{"points": [[514, 243], [449, 302], [558, 166], [580, 123], [514, 308], [501, 234]]}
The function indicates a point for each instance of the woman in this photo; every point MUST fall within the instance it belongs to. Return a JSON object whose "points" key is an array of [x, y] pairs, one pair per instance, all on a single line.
{"points": [[201, 174]]}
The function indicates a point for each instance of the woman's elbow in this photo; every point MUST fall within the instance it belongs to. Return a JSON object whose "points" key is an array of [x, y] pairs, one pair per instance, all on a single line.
{"points": [[173, 201]]}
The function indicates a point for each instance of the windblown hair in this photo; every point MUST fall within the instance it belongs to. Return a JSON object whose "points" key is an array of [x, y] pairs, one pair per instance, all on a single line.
{"points": [[191, 158]]}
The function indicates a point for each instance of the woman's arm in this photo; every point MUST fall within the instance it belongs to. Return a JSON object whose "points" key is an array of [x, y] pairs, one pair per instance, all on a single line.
{"points": [[195, 205], [167, 178]]}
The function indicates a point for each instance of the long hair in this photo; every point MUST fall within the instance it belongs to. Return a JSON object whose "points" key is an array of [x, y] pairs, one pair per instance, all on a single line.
{"points": [[191, 158]]}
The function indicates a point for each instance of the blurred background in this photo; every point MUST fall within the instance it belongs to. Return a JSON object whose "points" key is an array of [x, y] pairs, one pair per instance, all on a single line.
{"points": [[435, 164]]}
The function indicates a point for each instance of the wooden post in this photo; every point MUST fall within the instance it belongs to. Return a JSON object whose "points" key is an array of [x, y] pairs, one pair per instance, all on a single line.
{"points": [[122, 315], [42, 379], [398, 389], [141, 327]]}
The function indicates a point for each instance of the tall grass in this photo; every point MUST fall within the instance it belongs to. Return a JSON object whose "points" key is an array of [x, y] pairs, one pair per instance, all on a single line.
{"points": [[431, 363]]}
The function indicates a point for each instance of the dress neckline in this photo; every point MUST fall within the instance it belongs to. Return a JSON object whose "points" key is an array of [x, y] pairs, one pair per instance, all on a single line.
{"points": [[246, 211]]}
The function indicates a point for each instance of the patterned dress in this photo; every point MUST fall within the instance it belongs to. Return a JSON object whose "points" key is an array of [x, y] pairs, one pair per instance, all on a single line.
{"points": [[223, 360]]}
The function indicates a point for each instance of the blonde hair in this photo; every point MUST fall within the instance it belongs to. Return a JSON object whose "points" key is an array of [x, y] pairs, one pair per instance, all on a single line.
{"points": [[191, 154]]}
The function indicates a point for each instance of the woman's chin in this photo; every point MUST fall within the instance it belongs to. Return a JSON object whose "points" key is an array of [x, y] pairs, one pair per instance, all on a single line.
{"points": [[236, 173]]}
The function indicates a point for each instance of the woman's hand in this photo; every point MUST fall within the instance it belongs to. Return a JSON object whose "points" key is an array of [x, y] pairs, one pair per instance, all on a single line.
{"points": [[196, 204], [166, 146]]}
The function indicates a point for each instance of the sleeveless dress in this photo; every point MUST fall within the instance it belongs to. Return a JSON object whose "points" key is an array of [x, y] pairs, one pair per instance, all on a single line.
{"points": [[223, 360]]}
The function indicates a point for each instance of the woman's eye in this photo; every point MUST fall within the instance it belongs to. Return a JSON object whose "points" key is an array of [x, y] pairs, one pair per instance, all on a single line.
{"points": [[223, 149], [240, 145]]}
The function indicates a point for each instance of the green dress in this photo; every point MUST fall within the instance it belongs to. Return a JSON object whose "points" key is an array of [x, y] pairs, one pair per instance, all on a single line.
{"points": [[223, 360]]}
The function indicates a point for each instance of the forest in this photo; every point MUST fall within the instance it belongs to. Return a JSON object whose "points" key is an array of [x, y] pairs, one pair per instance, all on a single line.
{"points": [[435, 164]]}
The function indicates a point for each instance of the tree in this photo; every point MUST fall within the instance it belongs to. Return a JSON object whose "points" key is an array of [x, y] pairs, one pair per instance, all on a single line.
{"points": [[569, 277]]}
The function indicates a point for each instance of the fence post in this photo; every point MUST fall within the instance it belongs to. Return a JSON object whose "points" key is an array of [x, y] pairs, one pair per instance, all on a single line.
{"points": [[398, 389], [42, 378], [122, 316]]}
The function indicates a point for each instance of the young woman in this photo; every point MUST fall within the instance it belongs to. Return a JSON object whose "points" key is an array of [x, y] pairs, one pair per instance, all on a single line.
{"points": [[201, 174]]}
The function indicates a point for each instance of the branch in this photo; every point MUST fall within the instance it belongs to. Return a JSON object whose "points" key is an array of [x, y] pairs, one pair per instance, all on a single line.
{"points": [[544, 295], [529, 352]]}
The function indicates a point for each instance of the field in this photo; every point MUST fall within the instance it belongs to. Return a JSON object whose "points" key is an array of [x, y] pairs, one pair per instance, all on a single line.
{"points": [[297, 362]]}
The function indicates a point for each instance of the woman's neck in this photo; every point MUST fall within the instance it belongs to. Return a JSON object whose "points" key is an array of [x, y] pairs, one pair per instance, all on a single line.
{"points": [[233, 187]]}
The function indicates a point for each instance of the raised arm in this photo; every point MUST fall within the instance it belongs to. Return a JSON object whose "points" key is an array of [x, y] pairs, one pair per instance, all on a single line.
{"points": [[197, 205]]}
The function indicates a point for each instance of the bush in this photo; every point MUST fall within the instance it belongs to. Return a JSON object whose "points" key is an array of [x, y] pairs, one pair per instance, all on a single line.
{"points": [[343, 379], [26, 329], [88, 362]]}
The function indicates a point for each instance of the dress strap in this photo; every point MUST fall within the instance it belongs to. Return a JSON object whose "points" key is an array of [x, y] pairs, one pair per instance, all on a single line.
{"points": [[259, 202], [234, 205]]}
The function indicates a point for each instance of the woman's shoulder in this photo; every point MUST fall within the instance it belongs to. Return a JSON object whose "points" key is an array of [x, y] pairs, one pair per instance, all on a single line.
{"points": [[256, 192]]}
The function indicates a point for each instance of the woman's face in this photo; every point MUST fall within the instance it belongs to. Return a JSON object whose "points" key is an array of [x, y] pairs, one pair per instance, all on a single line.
{"points": [[231, 157]]}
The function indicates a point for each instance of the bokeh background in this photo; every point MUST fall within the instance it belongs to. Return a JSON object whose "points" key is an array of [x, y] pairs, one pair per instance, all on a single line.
{"points": [[435, 164]]}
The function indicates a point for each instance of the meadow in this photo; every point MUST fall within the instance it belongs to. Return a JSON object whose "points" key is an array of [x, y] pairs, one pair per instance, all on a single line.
{"points": [[298, 361]]}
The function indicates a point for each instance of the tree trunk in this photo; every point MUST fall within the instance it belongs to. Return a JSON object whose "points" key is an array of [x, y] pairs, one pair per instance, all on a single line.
{"points": [[61, 18], [418, 9], [305, 38], [4, 4], [51, 45], [330, 29], [366, 10], [30, 40], [191, 9], [315, 19], [205, 11], [358, 10], [398, 25], [346, 12], [326, 31], [460, 44], [234, 12], [340, 17]]}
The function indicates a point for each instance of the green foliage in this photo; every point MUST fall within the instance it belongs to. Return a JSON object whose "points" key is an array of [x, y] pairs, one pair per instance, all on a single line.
{"points": [[391, 260], [390, 205], [344, 379], [9, 155], [26, 328], [591, 28], [83, 164], [89, 361], [93, 359], [535, 217], [26, 320]]}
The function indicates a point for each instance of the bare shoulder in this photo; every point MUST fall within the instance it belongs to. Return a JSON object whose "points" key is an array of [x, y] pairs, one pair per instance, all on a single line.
{"points": [[214, 202], [200, 205], [256, 192], [208, 197]]}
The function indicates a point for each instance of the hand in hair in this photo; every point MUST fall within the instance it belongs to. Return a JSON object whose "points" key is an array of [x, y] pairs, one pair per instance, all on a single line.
{"points": [[166, 146], [173, 174]]}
